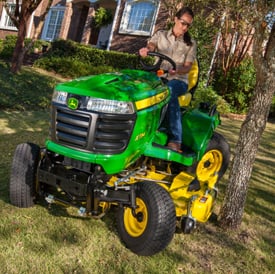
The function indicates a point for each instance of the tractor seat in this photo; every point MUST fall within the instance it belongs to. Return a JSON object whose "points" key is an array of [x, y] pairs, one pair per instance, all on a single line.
{"points": [[193, 79]]}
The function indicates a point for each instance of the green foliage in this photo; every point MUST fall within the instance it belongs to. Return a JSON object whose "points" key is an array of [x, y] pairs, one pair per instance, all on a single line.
{"points": [[72, 59], [8, 45], [70, 67], [1, 45], [121, 60], [37, 44], [62, 48], [272, 108], [204, 34], [237, 86], [102, 17], [209, 95]]}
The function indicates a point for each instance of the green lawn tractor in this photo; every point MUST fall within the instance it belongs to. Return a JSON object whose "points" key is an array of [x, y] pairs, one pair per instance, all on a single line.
{"points": [[107, 150]]}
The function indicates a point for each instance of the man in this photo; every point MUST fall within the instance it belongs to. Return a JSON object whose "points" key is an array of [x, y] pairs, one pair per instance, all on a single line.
{"points": [[177, 44]]}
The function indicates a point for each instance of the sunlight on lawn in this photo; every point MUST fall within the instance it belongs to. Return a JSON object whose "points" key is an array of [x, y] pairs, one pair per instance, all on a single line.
{"points": [[14, 122], [5, 129]]}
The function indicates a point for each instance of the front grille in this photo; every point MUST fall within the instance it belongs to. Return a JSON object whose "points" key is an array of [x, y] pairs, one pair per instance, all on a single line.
{"points": [[94, 132], [72, 128], [112, 132]]}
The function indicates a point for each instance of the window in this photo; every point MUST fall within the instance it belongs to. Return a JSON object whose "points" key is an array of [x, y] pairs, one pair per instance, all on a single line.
{"points": [[5, 22], [139, 17], [53, 23]]}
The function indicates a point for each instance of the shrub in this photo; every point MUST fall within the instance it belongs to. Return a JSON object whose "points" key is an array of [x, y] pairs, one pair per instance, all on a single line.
{"points": [[8, 45], [204, 34], [272, 108], [237, 86], [1, 46], [39, 44], [94, 56], [72, 59], [63, 47], [70, 67], [209, 95], [103, 17]]}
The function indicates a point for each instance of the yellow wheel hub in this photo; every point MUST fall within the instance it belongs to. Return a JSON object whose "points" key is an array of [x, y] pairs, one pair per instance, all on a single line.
{"points": [[135, 226], [209, 165]]}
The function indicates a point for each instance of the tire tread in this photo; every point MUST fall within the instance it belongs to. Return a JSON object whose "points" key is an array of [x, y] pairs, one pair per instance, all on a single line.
{"points": [[23, 174]]}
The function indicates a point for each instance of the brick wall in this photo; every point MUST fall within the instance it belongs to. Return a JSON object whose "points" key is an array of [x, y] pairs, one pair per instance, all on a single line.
{"points": [[132, 43]]}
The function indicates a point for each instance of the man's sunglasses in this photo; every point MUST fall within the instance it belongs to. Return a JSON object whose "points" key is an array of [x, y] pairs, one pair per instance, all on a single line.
{"points": [[184, 23]]}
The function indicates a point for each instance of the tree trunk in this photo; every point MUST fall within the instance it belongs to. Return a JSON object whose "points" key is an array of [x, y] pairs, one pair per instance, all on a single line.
{"points": [[250, 133], [19, 50], [20, 20]]}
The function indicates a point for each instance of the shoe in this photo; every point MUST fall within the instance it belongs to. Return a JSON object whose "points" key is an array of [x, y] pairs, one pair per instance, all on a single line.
{"points": [[175, 146]]}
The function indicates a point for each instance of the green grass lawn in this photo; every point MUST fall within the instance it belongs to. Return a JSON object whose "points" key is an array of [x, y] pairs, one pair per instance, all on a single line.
{"points": [[56, 240], [26, 90]]}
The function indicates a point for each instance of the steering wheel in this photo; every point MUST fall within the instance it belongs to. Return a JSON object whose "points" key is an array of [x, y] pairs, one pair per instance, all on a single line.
{"points": [[155, 67]]}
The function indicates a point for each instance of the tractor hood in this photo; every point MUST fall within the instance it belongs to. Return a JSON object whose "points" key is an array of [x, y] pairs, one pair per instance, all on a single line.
{"points": [[107, 114], [126, 85]]}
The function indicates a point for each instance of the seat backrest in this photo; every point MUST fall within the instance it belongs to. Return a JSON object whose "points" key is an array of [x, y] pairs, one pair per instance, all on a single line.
{"points": [[193, 79]]}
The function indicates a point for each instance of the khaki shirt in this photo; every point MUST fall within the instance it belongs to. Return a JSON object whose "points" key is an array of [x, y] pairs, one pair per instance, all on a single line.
{"points": [[175, 48]]}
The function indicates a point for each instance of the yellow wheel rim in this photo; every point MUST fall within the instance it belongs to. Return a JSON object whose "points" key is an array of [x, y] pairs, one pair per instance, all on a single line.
{"points": [[135, 226], [209, 165]]}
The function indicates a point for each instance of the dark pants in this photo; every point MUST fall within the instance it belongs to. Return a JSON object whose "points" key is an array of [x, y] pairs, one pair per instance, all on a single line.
{"points": [[177, 88]]}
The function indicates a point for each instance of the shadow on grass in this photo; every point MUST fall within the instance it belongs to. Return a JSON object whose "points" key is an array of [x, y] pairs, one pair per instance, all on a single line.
{"points": [[16, 128], [26, 90]]}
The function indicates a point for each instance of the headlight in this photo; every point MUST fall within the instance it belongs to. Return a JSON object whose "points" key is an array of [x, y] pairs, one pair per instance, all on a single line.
{"points": [[60, 97], [110, 106]]}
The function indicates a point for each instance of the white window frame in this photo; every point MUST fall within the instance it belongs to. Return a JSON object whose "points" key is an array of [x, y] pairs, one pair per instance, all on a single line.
{"points": [[133, 9], [54, 35], [5, 21]]}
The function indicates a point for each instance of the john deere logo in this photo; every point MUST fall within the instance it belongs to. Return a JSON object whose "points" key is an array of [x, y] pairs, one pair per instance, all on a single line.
{"points": [[72, 103]]}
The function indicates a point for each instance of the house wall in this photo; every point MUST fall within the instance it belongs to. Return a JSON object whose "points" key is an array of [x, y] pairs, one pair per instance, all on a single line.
{"points": [[3, 32], [132, 43], [33, 22], [76, 24], [37, 18]]}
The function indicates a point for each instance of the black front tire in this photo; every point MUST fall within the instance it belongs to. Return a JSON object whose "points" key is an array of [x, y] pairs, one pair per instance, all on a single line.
{"points": [[23, 176], [155, 223]]}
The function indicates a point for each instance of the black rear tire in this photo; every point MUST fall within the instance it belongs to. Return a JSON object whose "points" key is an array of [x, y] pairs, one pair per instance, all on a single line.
{"points": [[153, 228], [23, 176]]}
